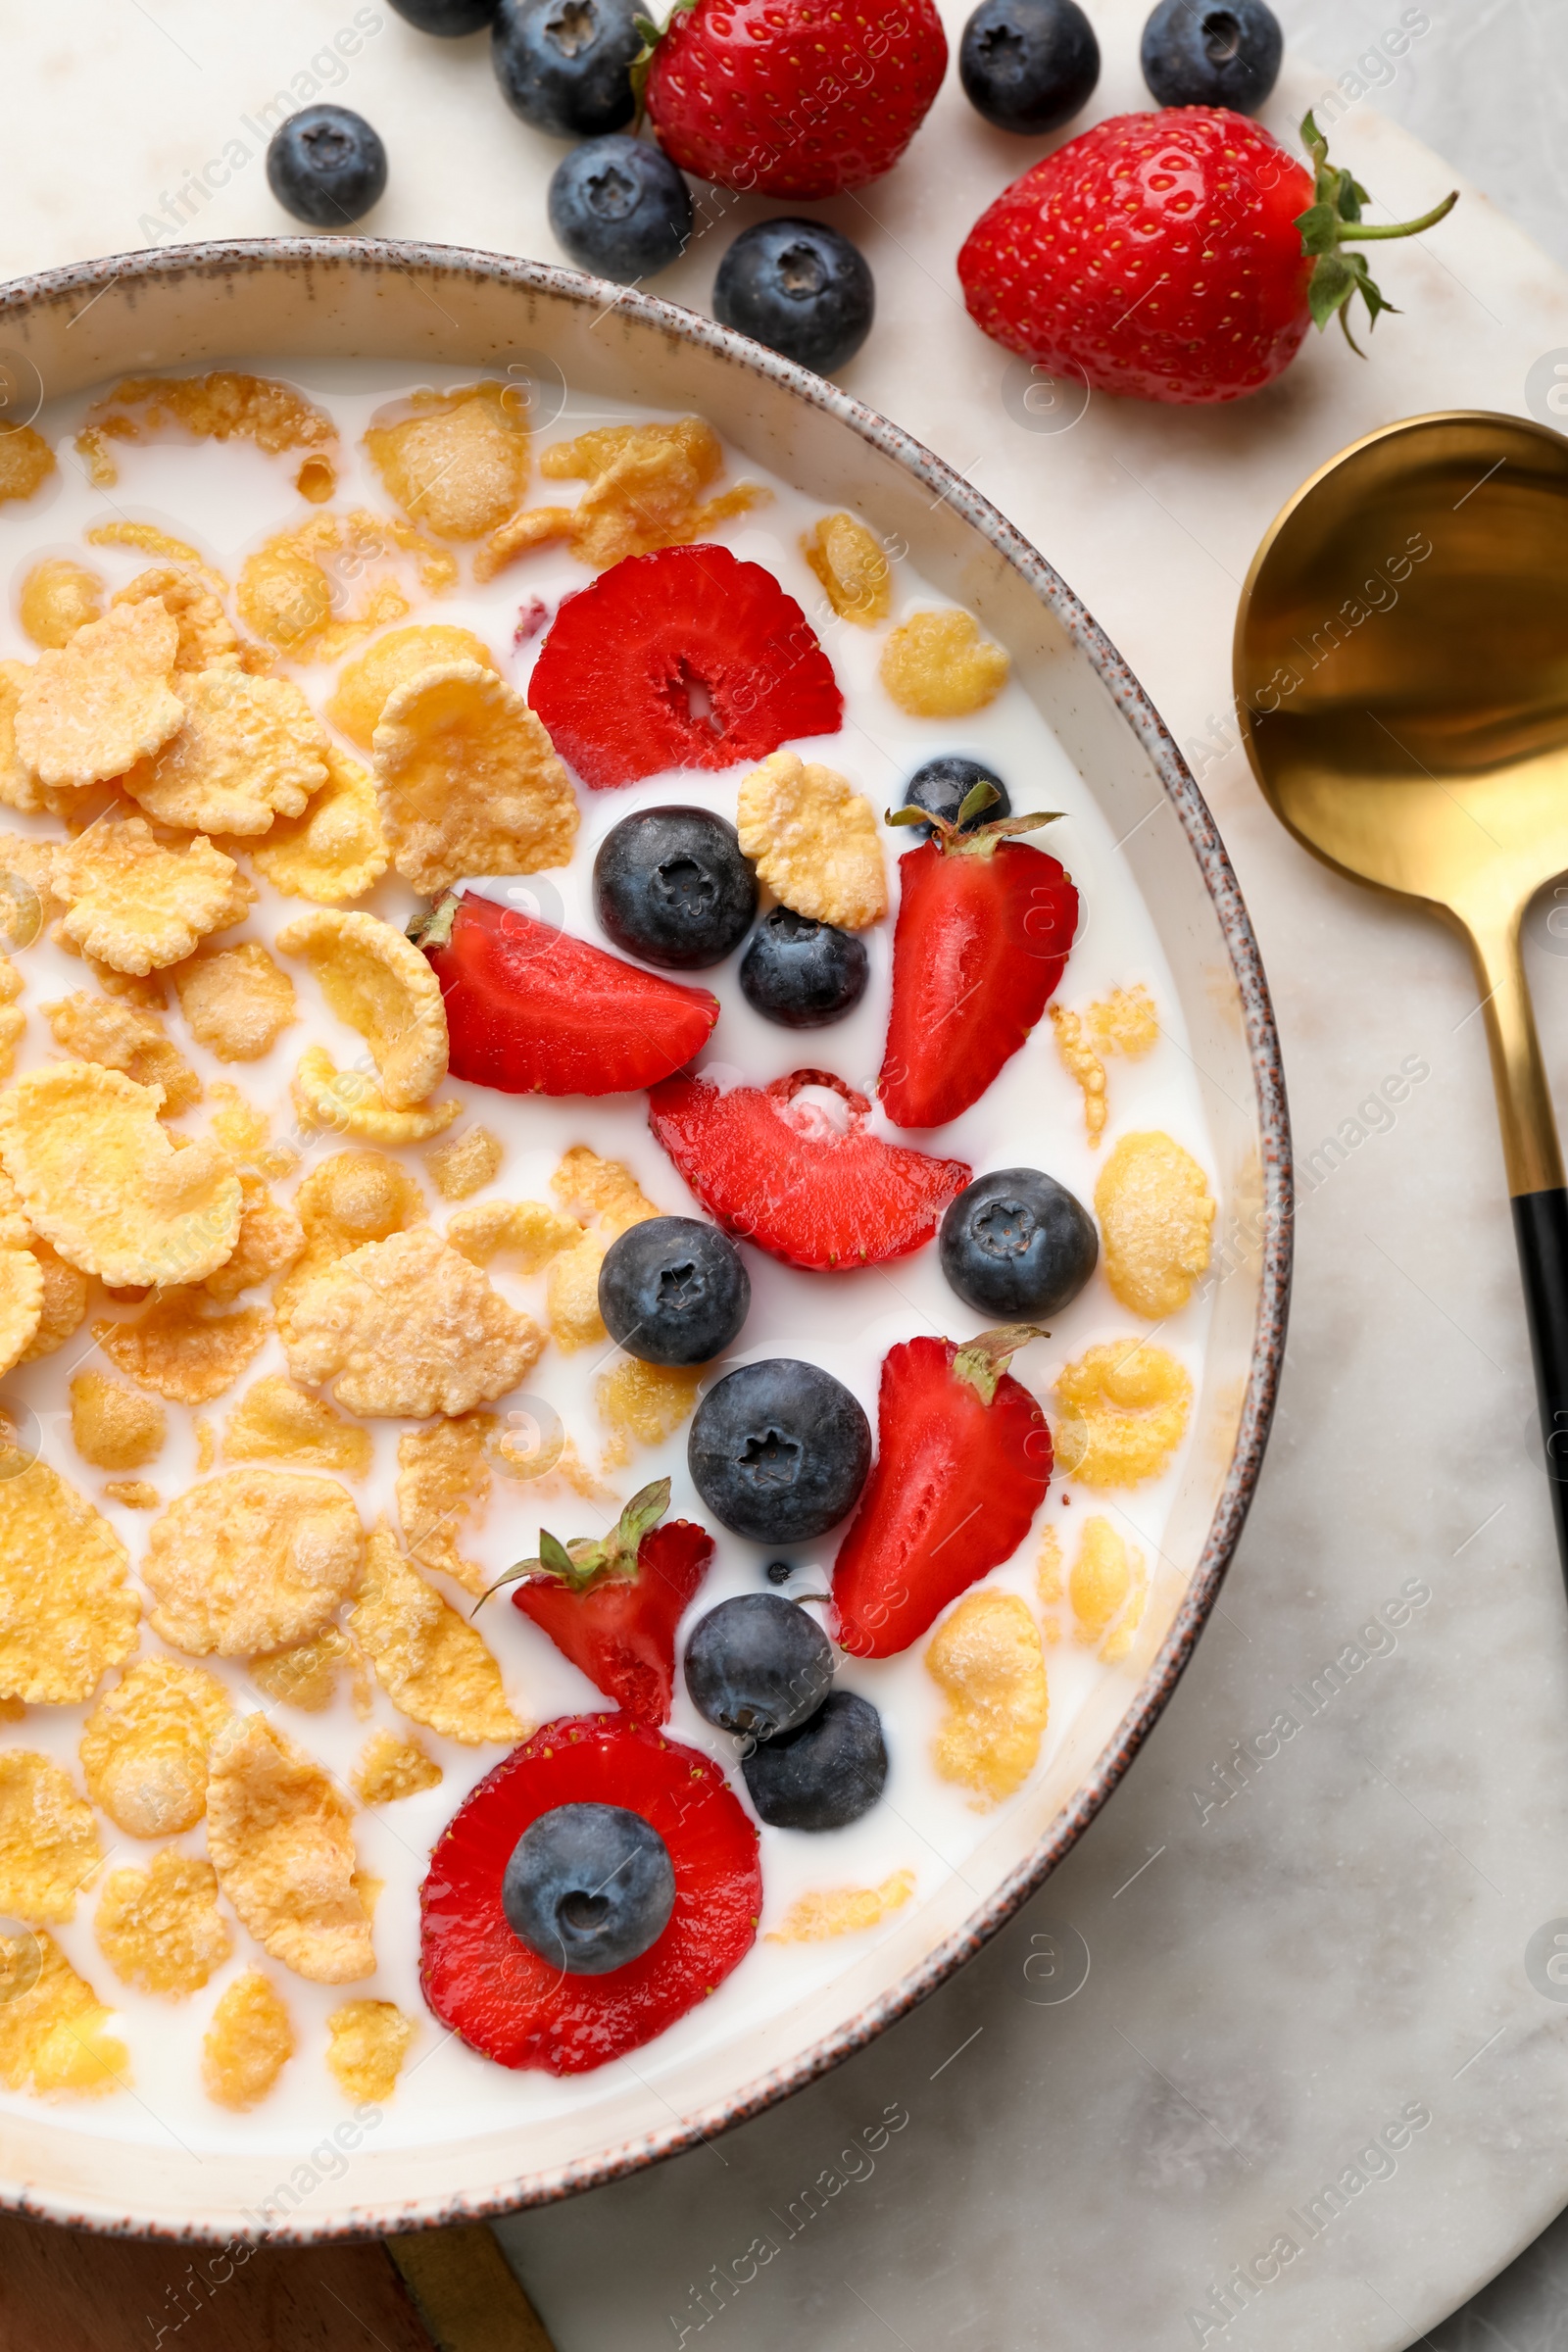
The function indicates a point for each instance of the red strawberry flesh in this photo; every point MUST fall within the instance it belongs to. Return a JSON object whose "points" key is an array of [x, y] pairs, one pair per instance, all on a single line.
{"points": [[532, 1011], [682, 658], [515, 2008], [786, 1177], [954, 1487], [621, 1629]]}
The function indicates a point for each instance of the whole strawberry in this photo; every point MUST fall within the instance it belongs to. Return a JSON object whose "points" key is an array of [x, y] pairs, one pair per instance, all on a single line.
{"points": [[1180, 256], [793, 97]]}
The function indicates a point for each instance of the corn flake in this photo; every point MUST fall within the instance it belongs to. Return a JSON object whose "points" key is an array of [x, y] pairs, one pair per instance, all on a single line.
{"points": [[91, 1028], [938, 666], [986, 1657], [1157, 1217], [59, 597], [20, 1304], [160, 1929], [249, 751], [841, 1910], [350, 1198], [528, 1233], [467, 782], [103, 701], [467, 1164], [181, 1349], [1122, 1412], [27, 461], [376, 981], [13, 1021], [248, 2043], [307, 1676], [252, 1560], [391, 1767], [19, 786], [1083, 1067], [366, 2041], [135, 1494], [285, 595], [364, 684], [1108, 1588], [136, 905], [1126, 1022], [270, 1240], [48, 1844], [221, 407], [279, 1835], [188, 595], [68, 1611], [54, 2032], [646, 1403], [26, 889], [65, 1304], [407, 1326], [458, 463], [813, 841], [443, 1480], [429, 1660], [237, 1000], [276, 1422], [351, 1102], [335, 851], [852, 567], [242, 1131], [644, 484]]}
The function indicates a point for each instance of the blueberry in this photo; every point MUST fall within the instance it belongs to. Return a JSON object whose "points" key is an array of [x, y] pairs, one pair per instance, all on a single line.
{"points": [[565, 66], [800, 289], [1028, 64], [779, 1451], [824, 1774], [1196, 56], [619, 205], [943, 786], [1017, 1243], [758, 1665], [779, 1572], [326, 165], [803, 974], [450, 19], [671, 886], [673, 1291], [589, 1887]]}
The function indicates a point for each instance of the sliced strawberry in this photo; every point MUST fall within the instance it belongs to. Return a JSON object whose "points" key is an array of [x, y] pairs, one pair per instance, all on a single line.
{"points": [[532, 1011], [612, 1605], [682, 658], [964, 1460], [512, 2006], [782, 1175], [985, 923]]}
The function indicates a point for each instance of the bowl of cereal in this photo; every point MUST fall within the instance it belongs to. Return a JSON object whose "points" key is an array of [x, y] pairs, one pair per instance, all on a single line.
{"points": [[568, 1551]]}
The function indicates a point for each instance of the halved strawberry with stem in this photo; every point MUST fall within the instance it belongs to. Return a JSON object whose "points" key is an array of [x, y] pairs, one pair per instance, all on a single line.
{"points": [[533, 1012], [985, 923], [964, 1461], [782, 1174], [682, 658], [498, 1995], [611, 1604]]}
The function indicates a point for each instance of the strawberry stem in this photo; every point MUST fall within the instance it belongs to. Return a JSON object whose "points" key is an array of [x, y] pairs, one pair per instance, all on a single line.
{"points": [[982, 1361], [588, 1560], [954, 840], [1331, 223], [433, 928]]}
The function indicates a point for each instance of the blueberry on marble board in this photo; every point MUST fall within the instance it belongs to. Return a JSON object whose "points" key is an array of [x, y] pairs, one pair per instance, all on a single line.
{"points": [[618, 207], [326, 165], [800, 287], [565, 66], [1226, 56], [1028, 65]]}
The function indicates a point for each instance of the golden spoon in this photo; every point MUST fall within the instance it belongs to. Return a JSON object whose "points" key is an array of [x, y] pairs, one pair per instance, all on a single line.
{"points": [[1402, 673]]}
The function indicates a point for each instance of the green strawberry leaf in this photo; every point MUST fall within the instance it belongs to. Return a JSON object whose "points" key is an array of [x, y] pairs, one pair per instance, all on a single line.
{"points": [[982, 1361], [1329, 222]]}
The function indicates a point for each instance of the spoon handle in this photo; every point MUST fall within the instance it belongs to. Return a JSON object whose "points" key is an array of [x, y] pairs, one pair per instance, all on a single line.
{"points": [[1541, 1229]]}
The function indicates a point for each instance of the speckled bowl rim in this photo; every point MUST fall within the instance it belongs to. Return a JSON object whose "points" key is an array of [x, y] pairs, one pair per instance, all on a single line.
{"points": [[89, 279]]}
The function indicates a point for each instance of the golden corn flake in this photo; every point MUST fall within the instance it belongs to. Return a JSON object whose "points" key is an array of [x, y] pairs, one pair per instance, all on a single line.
{"points": [[243, 1131], [813, 841], [285, 596], [458, 463], [222, 407], [407, 1326], [607, 1191], [467, 1164], [376, 981], [59, 597], [135, 1494], [237, 1000], [1047, 1567], [20, 1304], [646, 1402], [26, 889], [307, 1677], [1122, 1412], [592, 1187], [1157, 1219], [841, 1910], [364, 684], [391, 1767], [207, 637], [13, 1021], [148, 540], [68, 1611], [988, 1659], [252, 1560], [1124, 1022], [527, 1233], [1108, 1588], [467, 782], [279, 1835], [276, 1422], [430, 1661], [103, 701], [181, 1349], [351, 1102], [366, 2041], [335, 851], [54, 2032], [443, 1480], [250, 749], [644, 491], [48, 1844], [852, 567], [1083, 1067], [27, 461], [146, 1747], [65, 1304], [350, 1198], [270, 1240], [19, 786], [938, 666], [136, 905], [248, 2043], [91, 1028], [160, 1929]]}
